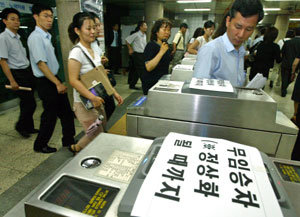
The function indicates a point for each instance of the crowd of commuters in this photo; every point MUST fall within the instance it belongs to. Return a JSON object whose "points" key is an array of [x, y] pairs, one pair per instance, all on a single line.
{"points": [[221, 54]]}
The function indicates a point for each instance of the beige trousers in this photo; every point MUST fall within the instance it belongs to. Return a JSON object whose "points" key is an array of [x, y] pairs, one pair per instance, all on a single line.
{"points": [[86, 118]]}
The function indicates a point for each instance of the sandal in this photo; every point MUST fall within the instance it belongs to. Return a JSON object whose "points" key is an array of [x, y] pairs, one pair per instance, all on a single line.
{"points": [[73, 149]]}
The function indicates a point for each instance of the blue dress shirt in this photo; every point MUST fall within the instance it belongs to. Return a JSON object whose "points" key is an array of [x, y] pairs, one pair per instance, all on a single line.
{"points": [[41, 49], [219, 59], [12, 50]]}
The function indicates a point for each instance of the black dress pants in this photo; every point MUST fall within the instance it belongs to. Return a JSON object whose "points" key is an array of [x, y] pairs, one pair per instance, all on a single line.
{"points": [[114, 56], [109, 106], [139, 64], [25, 78], [263, 70], [131, 69], [285, 79], [55, 105]]}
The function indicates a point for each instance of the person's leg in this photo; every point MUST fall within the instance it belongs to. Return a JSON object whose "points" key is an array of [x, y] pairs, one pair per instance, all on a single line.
{"points": [[131, 69], [285, 78], [115, 60], [86, 119], [27, 105], [135, 75], [253, 72], [109, 106], [176, 59], [48, 94], [296, 149], [66, 117]]}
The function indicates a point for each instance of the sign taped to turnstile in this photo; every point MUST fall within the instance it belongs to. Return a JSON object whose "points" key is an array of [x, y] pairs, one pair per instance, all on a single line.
{"points": [[212, 176], [120, 166]]}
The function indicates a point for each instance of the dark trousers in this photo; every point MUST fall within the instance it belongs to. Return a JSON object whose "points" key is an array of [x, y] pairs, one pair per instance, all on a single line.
{"points": [[285, 79], [55, 105], [263, 70], [131, 69], [25, 78], [296, 150], [139, 64], [109, 106], [114, 56]]}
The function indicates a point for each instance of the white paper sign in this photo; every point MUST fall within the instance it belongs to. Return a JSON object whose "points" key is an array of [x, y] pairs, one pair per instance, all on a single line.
{"points": [[120, 166], [170, 86], [197, 176], [183, 67], [211, 85], [258, 82]]}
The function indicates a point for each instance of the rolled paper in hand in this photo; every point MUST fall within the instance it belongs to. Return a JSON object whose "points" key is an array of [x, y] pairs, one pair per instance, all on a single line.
{"points": [[20, 88]]}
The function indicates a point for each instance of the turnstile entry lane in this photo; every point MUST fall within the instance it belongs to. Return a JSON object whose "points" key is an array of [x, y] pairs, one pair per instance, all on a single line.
{"points": [[246, 116], [84, 185], [92, 183]]}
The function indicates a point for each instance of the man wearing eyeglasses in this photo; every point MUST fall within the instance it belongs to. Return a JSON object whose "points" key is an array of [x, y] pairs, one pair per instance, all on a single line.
{"points": [[51, 90], [15, 65]]}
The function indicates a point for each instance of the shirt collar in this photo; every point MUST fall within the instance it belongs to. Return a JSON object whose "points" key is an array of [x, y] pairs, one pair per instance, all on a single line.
{"points": [[13, 35], [43, 33], [141, 33], [228, 45]]}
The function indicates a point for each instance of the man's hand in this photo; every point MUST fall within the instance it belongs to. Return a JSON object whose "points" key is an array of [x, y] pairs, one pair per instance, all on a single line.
{"points": [[61, 88], [130, 51], [14, 85]]}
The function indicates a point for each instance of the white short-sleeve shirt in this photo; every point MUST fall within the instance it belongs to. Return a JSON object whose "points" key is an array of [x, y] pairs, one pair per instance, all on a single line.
{"points": [[76, 54], [202, 41]]}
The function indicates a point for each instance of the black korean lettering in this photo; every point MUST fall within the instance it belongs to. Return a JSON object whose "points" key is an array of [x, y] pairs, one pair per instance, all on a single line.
{"points": [[175, 174], [213, 158], [180, 160], [209, 172], [207, 144], [247, 199], [238, 152], [241, 164], [221, 83], [183, 143], [202, 156], [208, 189], [240, 177], [199, 82], [232, 163], [244, 164], [168, 188], [210, 82]]}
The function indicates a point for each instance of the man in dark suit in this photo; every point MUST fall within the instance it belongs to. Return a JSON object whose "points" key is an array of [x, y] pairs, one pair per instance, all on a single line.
{"points": [[290, 51], [114, 45]]}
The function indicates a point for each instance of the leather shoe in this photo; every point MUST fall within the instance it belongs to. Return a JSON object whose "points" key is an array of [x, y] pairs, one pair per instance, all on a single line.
{"points": [[134, 88], [23, 133], [46, 150]]}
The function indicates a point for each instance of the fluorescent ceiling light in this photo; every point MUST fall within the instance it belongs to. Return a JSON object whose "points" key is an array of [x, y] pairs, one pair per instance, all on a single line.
{"points": [[271, 9], [294, 19], [198, 9], [196, 1], [23, 27]]}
